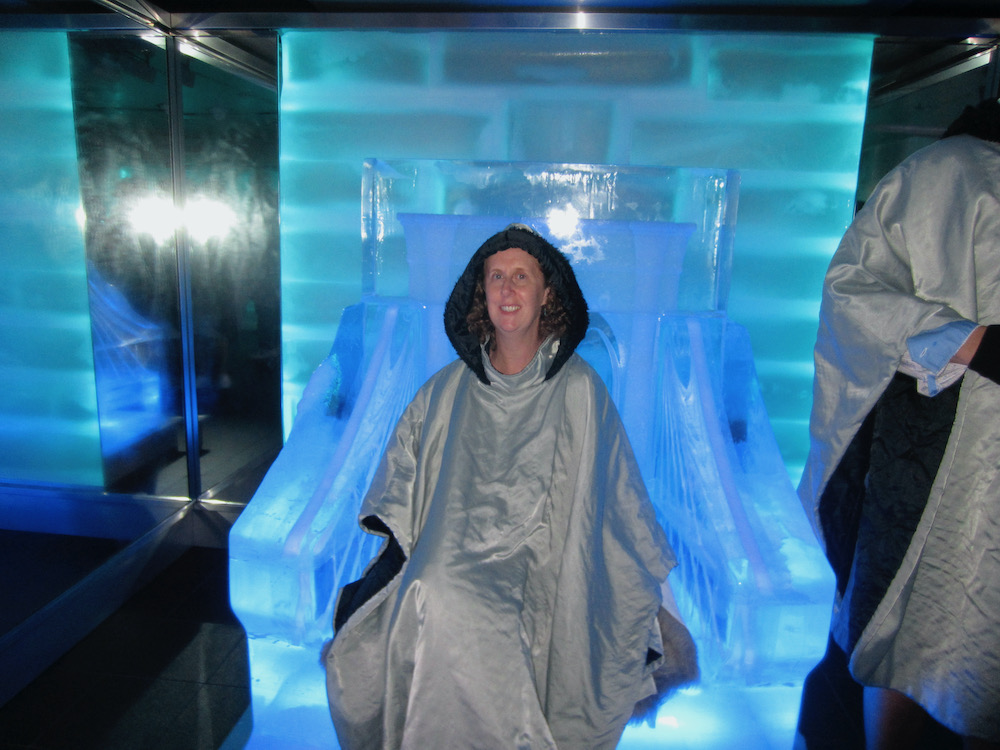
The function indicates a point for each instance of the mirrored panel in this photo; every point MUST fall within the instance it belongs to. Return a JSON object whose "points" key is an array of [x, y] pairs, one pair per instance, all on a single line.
{"points": [[120, 96], [231, 218], [151, 287]]}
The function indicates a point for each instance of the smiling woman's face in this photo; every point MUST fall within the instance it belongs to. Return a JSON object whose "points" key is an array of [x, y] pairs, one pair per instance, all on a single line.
{"points": [[515, 292]]}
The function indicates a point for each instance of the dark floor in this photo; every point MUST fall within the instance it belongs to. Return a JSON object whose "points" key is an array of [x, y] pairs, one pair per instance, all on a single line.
{"points": [[52, 562], [167, 671]]}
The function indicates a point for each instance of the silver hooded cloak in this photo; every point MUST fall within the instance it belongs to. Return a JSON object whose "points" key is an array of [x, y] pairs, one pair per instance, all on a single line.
{"points": [[521, 610], [923, 252]]}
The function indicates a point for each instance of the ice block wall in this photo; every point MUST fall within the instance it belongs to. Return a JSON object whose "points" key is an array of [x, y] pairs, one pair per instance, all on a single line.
{"points": [[49, 426], [786, 110], [652, 257]]}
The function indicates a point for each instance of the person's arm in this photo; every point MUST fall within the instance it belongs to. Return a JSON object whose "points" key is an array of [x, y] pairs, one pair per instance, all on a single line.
{"points": [[890, 280], [939, 357], [979, 351]]}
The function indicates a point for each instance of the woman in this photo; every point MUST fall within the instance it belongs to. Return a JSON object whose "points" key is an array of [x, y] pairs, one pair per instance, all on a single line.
{"points": [[515, 602], [902, 476]]}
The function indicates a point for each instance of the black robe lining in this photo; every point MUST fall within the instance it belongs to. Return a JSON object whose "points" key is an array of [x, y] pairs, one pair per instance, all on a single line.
{"points": [[876, 497], [376, 578]]}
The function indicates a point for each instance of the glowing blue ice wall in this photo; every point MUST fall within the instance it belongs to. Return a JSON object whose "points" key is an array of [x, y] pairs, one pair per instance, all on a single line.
{"points": [[787, 111], [49, 428], [652, 257]]}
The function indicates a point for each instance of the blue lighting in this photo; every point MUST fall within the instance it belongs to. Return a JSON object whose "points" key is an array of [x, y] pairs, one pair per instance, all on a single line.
{"points": [[652, 259], [49, 427], [787, 111]]}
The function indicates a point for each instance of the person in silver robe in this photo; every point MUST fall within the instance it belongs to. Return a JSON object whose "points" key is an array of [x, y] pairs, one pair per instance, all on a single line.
{"points": [[902, 478], [520, 599]]}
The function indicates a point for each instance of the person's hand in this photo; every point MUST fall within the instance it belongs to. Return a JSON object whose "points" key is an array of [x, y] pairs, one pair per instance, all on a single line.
{"points": [[985, 358], [965, 354]]}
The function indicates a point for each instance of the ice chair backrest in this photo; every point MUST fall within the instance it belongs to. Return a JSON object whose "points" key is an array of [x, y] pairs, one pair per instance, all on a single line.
{"points": [[623, 267], [598, 214]]}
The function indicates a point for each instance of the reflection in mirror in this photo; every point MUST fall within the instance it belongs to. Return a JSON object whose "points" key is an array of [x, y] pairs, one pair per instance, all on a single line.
{"points": [[121, 96], [231, 216], [123, 144]]}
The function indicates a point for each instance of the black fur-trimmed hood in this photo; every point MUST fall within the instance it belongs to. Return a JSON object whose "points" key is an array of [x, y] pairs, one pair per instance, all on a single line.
{"points": [[558, 274]]}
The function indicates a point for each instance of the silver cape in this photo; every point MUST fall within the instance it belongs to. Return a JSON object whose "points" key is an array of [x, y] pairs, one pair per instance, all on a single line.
{"points": [[924, 251], [526, 608]]}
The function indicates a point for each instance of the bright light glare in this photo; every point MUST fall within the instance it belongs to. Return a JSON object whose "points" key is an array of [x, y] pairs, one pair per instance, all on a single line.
{"points": [[155, 217], [207, 219], [204, 219], [153, 37], [563, 222]]}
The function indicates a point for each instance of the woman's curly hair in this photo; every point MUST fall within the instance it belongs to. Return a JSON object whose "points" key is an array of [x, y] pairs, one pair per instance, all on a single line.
{"points": [[554, 319]]}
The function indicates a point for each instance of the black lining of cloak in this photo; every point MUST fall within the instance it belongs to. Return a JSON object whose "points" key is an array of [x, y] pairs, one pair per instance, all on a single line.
{"points": [[384, 569], [876, 497]]}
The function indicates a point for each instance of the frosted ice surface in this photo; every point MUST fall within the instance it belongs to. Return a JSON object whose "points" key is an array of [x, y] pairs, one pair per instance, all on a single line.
{"points": [[751, 583]]}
